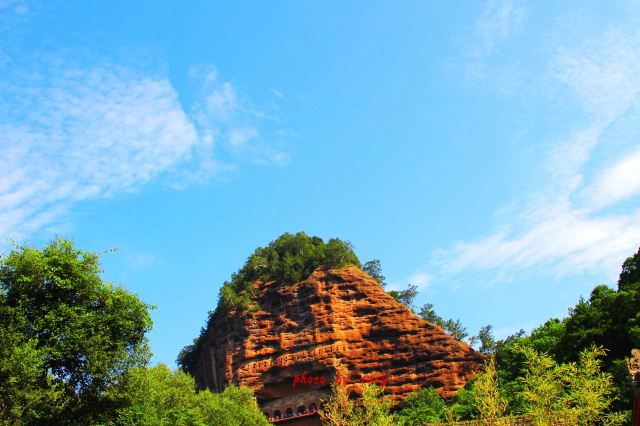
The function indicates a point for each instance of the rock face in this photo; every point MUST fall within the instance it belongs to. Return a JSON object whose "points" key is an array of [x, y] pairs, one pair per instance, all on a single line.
{"points": [[336, 322]]}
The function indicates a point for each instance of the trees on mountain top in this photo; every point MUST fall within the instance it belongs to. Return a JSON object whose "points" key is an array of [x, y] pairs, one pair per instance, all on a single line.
{"points": [[288, 259], [374, 269]]}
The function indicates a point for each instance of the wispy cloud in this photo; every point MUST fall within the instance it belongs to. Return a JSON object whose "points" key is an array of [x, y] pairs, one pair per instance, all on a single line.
{"points": [[226, 115], [499, 20], [566, 224], [421, 279], [70, 133], [617, 182], [84, 134]]}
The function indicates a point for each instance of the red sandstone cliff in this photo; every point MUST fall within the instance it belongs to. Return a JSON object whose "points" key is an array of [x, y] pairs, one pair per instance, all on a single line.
{"points": [[338, 320]]}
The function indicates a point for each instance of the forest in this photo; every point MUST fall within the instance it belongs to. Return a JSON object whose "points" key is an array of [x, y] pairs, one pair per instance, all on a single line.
{"points": [[75, 351]]}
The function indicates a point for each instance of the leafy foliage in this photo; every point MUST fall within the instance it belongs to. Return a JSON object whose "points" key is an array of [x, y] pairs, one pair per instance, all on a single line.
{"points": [[608, 318], [630, 271], [187, 357], [25, 392], [487, 340], [422, 407], [66, 335], [489, 402], [159, 396], [374, 269], [576, 392], [453, 327], [405, 297], [288, 259], [339, 410]]}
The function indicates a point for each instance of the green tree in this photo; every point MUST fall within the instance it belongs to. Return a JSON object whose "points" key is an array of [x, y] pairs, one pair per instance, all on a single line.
{"points": [[456, 329], [427, 313], [374, 269], [487, 341], [489, 402], [579, 392], [188, 355], [69, 335], [453, 327], [338, 410], [405, 297], [464, 404], [375, 407], [373, 410], [158, 396], [25, 392], [288, 259], [422, 407], [630, 272], [610, 319]]}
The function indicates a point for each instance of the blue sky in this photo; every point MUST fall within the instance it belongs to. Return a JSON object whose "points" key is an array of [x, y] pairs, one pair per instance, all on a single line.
{"points": [[488, 152]]}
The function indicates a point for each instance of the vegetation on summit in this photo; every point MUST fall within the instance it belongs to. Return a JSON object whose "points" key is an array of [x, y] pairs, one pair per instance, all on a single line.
{"points": [[288, 259]]}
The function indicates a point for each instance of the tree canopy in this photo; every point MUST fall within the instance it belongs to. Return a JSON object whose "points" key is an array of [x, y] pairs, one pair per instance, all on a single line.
{"points": [[405, 297], [608, 318], [66, 334], [374, 269], [288, 259], [158, 396], [340, 410]]}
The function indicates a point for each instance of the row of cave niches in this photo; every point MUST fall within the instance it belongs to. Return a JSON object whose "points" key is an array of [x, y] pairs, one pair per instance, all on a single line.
{"points": [[301, 411]]}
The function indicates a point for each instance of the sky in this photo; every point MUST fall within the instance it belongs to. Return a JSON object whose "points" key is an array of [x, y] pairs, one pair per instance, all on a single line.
{"points": [[487, 152]]}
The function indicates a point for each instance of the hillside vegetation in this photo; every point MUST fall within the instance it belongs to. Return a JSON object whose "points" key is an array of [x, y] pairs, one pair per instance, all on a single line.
{"points": [[74, 351]]}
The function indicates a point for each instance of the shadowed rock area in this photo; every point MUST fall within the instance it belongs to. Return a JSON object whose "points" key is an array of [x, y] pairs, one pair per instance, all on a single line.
{"points": [[337, 321]]}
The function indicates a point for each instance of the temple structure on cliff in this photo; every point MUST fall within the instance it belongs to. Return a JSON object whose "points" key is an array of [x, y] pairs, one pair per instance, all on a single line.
{"points": [[336, 323]]}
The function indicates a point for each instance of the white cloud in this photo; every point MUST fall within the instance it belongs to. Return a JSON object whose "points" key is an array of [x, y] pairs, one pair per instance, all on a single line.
{"points": [[604, 72], [70, 133], [618, 182], [500, 20], [562, 226], [229, 116], [240, 136], [222, 101], [85, 134], [421, 280]]}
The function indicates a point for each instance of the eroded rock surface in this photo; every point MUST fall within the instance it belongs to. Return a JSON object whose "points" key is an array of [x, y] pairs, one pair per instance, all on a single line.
{"points": [[336, 321]]}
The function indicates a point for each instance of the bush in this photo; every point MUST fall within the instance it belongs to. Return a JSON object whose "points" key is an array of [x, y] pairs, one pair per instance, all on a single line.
{"points": [[422, 407], [339, 410], [158, 396]]}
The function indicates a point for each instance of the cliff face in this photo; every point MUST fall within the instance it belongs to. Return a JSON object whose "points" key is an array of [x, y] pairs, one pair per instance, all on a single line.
{"points": [[336, 322]]}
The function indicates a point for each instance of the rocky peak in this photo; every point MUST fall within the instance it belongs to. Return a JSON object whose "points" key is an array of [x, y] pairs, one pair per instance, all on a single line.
{"points": [[337, 322]]}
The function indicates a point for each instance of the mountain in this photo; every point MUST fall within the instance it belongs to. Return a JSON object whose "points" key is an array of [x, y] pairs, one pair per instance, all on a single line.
{"points": [[337, 322]]}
